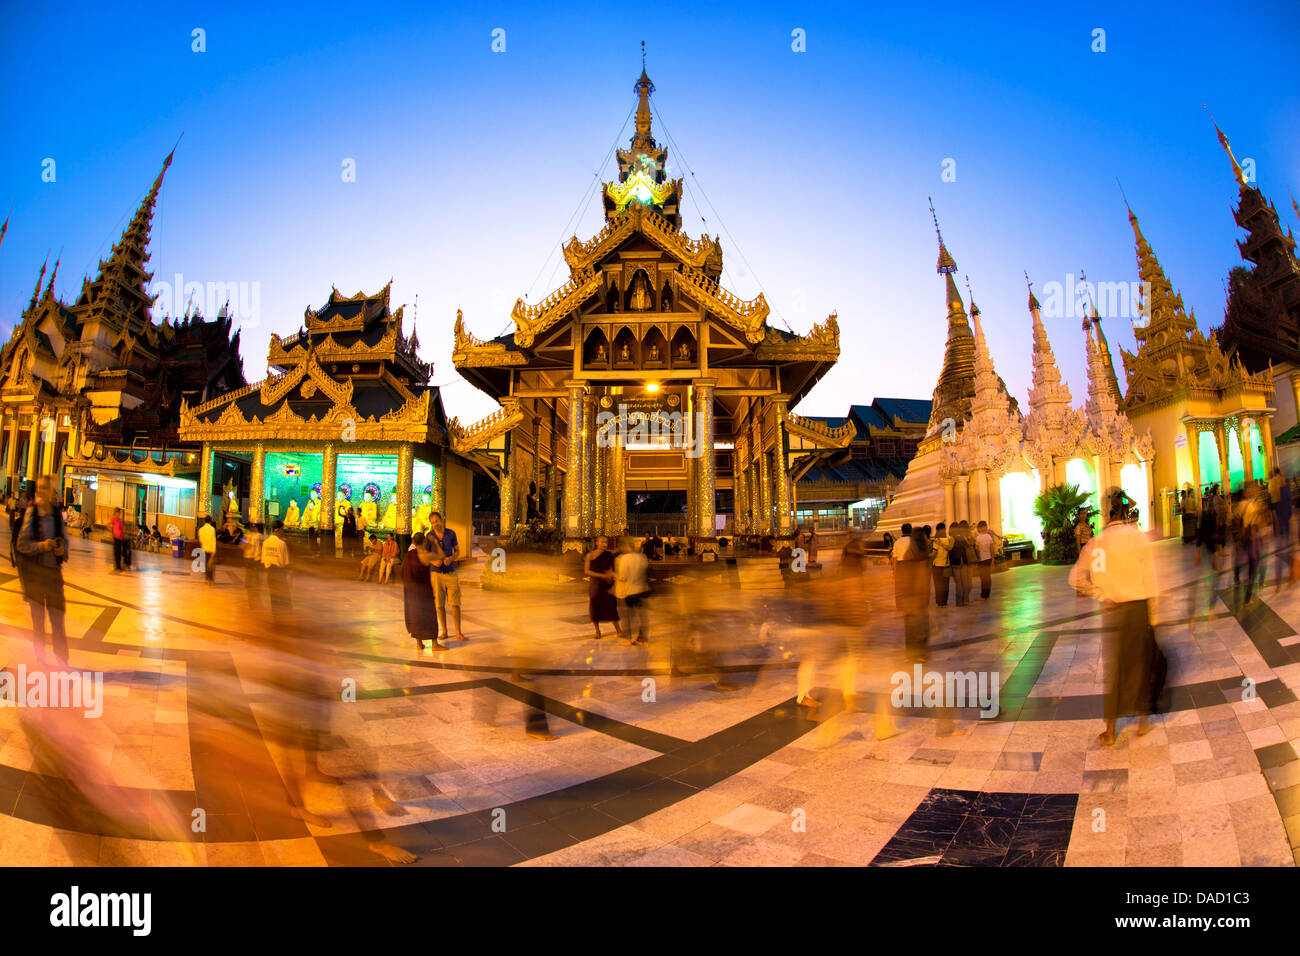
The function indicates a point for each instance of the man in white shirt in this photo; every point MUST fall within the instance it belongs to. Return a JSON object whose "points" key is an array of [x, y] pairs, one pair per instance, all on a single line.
{"points": [[631, 582], [899, 550], [1118, 569], [275, 559], [208, 542]]}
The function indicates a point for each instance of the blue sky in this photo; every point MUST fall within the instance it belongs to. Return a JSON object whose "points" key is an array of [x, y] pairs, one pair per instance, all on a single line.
{"points": [[816, 165]]}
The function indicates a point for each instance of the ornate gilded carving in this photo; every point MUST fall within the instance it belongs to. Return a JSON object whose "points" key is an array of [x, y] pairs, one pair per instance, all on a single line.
{"points": [[819, 433], [531, 320], [467, 439], [702, 253], [749, 317]]}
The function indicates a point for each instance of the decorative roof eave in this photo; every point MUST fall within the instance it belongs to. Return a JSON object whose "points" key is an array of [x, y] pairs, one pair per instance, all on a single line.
{"points": [[340, 393], [822, 343], [819, 433], [464, 440], [530, 321], [107, 461], [698, 253], [624, 193], [748, 317], [409, 423]]}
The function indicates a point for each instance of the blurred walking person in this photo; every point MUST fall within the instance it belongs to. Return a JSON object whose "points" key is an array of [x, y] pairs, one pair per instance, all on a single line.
{"points": [[960, 557], [1118, 569], [120, 545], [987, 544], [275, 559], [43, 548], [941, 569], [208, 544], [631, 586], [254, 573], [912, 597]]}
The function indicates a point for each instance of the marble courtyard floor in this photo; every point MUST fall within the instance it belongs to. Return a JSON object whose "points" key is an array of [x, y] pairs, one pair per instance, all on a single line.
{"points": [[195, 754]]}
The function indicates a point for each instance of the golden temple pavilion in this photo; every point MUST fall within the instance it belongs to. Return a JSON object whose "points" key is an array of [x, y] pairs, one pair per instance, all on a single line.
{"points": [[642, 373]]}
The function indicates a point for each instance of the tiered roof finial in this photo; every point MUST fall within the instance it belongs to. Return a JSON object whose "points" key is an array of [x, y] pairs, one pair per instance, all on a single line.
{"points": [[1033, 300], [1237, 172], [36, 292], [49, 289], [643, 88], [946, 267]]}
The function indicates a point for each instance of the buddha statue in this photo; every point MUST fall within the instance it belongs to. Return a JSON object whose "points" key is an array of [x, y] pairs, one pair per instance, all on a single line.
{"points": [[422, 520], [291, 516], [390, 513], [640, 301], [311, 515], [653, 352], [369, 510]]}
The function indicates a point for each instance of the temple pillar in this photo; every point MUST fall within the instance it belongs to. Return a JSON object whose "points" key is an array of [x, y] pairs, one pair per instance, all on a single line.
{"points": [[600, 485], [329, 487], [707, 462], [1266, 444], [573, 482], [1221, 442], [994, 498], [203, 496], [33, 446], [257, 485], [961, 498], [1247, 450], [1059, 470], [589, 466], [739, 494], [49, 442], [439, 493], [765, 493], [979, 500], [405, 489], [1194, 453], [507, 492], [11, 461], [784, 493], [949, 503], [548, 514], [537, 459]]}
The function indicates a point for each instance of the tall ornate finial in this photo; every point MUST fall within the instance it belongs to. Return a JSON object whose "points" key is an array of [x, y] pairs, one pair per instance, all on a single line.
{"points": [[5, 228], [974, 309], [947, 264], [36, 293], [1033, 300], [643, 88], [1293, 206], [1237, 172], [49, 289]]}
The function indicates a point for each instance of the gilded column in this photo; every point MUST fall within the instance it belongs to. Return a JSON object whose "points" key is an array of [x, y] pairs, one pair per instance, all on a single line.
{"points": [[507, 491], [405, 492], [1221, 441], [1194, 453], [439, 495], [11, 464], [573, 481], [1266, 444], [49, 441], [537, 459], [600, 495], [1247, 449], [33, 444], [257, 485], [329, 487], [739, 495], [755, 490], [203, 496], [589, 466], [549, 514], [765, 492], [784, 496], [707, 461]]}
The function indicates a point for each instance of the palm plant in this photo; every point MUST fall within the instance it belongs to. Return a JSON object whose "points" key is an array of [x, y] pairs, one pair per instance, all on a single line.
{"points": [[1058, 509]]}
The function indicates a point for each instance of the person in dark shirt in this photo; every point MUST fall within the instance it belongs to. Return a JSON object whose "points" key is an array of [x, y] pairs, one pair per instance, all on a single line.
{"points": [[44, 548]]}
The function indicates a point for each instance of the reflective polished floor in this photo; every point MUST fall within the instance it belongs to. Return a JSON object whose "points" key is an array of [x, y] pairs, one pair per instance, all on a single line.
{"points": [[228, 738]]}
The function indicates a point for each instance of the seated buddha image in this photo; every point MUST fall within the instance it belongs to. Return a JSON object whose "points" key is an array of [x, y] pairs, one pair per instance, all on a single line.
{"points": [[390, 513], [684, 352], [291, 516], [369, 511], [601, 354], [625, 353], [653, 353], [311, 515]]}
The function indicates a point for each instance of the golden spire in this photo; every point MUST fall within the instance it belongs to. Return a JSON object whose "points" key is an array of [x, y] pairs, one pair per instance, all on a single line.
{"points": [[1237, 172], [643, 89], [36, 293], [956, 386]]}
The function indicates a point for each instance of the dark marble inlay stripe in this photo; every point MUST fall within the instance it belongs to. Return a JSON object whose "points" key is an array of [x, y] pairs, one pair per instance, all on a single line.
{"points": [[562, 818]]}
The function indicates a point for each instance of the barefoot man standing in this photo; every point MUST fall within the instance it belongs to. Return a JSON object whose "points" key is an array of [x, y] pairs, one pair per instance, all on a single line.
{"points": [[1117, 568]]}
